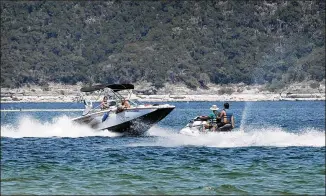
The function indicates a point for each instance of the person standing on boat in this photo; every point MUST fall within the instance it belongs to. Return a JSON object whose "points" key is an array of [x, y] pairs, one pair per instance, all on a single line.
{"points": [[227, 118]]}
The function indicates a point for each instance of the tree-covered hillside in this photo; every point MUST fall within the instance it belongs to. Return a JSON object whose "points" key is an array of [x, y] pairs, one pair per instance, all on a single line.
{"points": [[193, 42]]}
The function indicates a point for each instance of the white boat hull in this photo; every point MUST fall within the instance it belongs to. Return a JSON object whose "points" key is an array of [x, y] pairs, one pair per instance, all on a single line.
{"points": [[135, 120]]}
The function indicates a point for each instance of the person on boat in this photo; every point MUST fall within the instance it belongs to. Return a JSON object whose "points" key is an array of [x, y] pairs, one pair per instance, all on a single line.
{"points": [[213, 119], [104, 104], [227, 118], [125, 103]]}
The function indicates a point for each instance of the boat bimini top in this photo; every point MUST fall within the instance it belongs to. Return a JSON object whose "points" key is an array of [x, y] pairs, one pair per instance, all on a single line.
{"points": [[113, 94], [114, 87]]}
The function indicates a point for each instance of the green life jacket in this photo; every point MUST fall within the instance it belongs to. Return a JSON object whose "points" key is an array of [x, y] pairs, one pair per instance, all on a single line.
{"points": [[214, 119]]}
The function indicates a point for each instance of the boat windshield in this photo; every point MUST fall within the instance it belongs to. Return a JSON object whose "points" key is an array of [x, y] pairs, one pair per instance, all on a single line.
{"points": [[134, 102], [115, 94], [114, 97]]}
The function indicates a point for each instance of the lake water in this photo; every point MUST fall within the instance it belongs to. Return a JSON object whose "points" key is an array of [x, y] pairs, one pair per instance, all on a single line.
{"points": [[277, 148]]}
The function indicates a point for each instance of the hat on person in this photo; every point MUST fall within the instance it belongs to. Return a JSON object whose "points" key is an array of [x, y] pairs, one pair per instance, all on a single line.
{"points": [[214, 107]]}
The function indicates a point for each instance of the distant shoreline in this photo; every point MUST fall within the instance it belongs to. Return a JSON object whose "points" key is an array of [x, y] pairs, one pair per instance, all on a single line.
{"points": [[8, 102], [161, 98], [169, 93]]}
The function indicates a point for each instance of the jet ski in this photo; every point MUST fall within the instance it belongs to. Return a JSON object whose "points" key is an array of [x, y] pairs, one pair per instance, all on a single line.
{"points": [[135, 120], [196, 127]]}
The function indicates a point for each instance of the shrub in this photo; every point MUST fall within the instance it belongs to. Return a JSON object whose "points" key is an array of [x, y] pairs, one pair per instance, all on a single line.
{"points": [[191, 83], [225, 90], [204, 78], [15, 99], [158, 84], [45, 86], [275, 85], [314, 85]]}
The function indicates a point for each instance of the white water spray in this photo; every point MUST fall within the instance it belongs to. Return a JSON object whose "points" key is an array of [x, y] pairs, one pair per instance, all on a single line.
{"points": [[59, 127], [250, 136], [261, 136], [244, 117]]}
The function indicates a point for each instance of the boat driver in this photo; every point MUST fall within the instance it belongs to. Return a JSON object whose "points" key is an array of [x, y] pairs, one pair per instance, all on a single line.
{"points": [[125, 103], [104, 104]]}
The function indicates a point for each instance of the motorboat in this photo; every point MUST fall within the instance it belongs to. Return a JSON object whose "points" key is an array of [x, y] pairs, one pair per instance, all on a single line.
{"points": [[196, 126], [135, 120]]}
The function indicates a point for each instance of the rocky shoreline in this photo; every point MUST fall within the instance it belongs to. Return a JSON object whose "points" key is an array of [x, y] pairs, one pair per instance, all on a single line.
{"points": [[169, 93]]}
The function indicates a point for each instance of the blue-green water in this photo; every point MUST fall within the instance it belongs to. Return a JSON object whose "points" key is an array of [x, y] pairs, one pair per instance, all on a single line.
{"points": [[278, 148]]}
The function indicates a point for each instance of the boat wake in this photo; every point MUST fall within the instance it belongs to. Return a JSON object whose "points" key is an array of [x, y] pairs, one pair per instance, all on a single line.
{"points": [[265, 136], [249, 136], [59, 127]]}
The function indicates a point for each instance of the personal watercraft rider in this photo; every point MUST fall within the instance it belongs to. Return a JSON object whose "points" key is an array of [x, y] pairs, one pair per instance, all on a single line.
{"points": [[214, 120], [227, 118]]}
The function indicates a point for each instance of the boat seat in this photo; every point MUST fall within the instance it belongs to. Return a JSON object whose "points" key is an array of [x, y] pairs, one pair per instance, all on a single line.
{"points": [[112, 103]]}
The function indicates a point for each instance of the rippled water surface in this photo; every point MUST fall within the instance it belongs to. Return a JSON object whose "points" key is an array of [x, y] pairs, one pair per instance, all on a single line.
{"points": [[277, 148]]}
